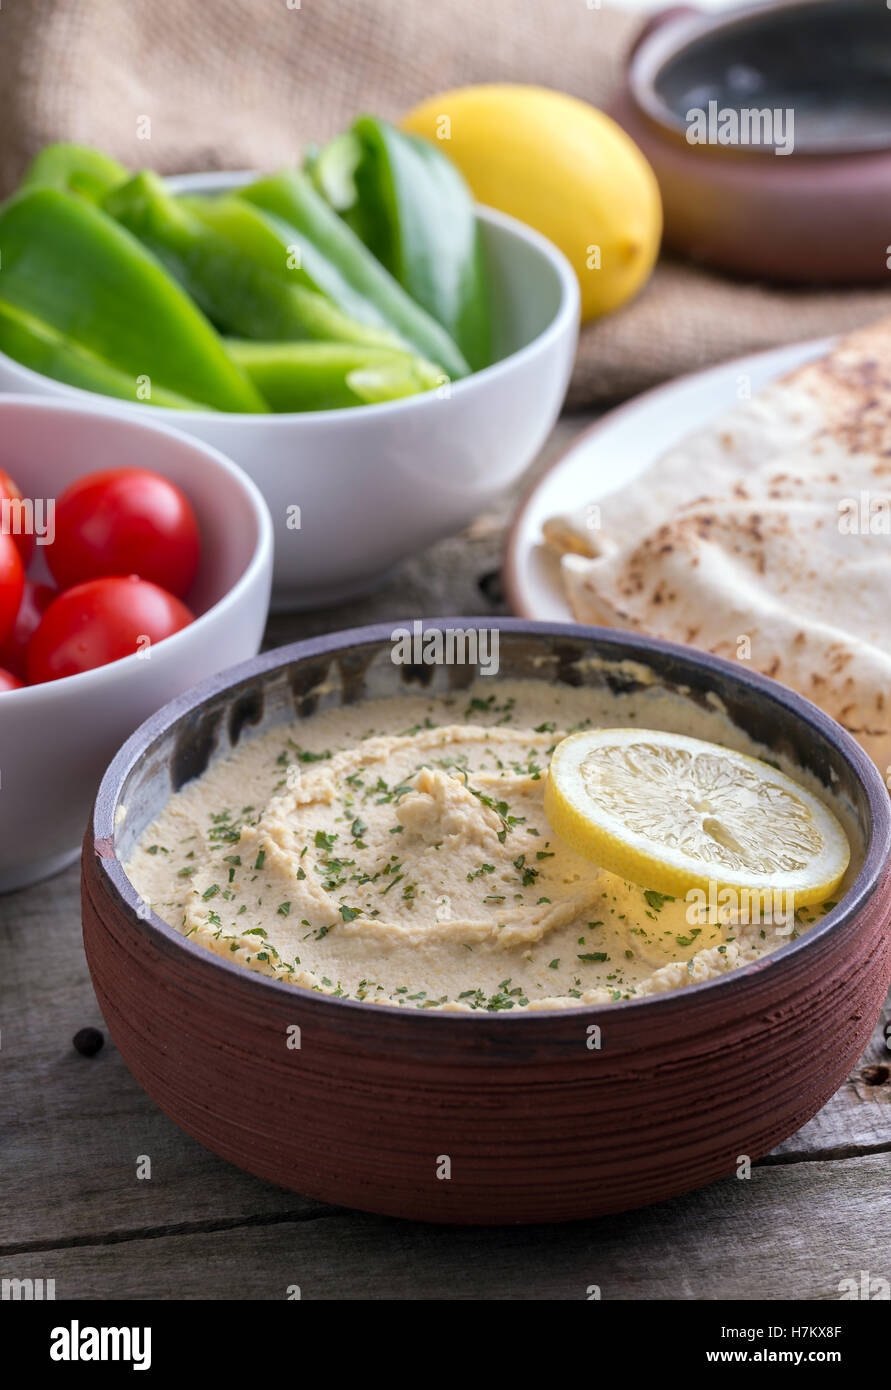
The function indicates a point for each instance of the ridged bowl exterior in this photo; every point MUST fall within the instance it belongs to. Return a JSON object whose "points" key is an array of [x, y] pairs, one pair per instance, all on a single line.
{"points": [[483, 1118]]}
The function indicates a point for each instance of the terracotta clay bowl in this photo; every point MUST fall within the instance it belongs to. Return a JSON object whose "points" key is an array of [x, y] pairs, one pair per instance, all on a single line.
{"points": [[537, 1122], [817, 214]]}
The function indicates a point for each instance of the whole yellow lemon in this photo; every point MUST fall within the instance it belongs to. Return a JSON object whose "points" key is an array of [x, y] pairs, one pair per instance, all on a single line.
{"points": [[563, 167]]}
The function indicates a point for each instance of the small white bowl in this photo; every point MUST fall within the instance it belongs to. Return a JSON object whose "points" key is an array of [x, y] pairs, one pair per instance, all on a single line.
{"points": [[56, 739], [377, 483]]}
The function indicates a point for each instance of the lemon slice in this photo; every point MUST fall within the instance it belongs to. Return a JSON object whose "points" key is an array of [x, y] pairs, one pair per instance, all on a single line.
{"points": [[673, 813]]}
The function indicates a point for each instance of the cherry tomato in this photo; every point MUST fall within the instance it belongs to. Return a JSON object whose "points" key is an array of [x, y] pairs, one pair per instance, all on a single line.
{"points": [[9, 682], [12, 582], [100, 621], [11, 521], [125, 521], [36, 598]]}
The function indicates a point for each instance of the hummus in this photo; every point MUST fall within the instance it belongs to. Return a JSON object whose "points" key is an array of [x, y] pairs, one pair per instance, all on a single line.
{"points": [[397, 852]]}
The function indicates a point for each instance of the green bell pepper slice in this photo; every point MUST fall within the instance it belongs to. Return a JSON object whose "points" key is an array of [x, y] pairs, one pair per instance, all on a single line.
{"points": [[39, 347], [70, 272], [331, 376], [344, 268], [411, 207], [74, 169], [266, 239], [240, 295]]}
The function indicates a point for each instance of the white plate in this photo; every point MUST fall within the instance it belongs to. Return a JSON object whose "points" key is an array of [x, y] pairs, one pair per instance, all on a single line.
{"points": [[618, 448]]}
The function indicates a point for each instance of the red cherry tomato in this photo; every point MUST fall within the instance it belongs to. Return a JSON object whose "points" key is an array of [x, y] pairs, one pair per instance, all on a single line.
{"points": [[36, 598], [9, 682], [125, 521], [11, 520], [12, 583], [100, 621]]}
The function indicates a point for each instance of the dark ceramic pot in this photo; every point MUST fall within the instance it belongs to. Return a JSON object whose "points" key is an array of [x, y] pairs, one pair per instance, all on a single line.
{"points": [[538, 1124], [816, 215]]}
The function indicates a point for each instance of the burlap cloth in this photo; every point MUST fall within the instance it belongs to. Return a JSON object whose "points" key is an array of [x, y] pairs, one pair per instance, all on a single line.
{"points": [[246, 83]]}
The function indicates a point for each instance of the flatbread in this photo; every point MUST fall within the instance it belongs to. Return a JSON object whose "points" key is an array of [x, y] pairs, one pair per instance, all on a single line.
{"points": [[765, 538], [820, 414]]}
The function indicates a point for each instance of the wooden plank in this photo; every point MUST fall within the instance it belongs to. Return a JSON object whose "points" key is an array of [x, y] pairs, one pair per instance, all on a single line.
{"points": [[791, 1232], [72, 1127]]}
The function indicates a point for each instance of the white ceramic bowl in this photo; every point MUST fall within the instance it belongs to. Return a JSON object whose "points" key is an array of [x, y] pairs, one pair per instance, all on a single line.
{"points": [[377, 483], [56, 739]]}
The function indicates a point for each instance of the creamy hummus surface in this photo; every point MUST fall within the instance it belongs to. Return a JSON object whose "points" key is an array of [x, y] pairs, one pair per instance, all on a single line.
{"points": [[397, 851]]}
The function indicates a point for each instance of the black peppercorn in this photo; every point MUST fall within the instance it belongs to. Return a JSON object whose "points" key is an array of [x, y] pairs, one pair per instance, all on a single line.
{"points": [[88, 1041]]}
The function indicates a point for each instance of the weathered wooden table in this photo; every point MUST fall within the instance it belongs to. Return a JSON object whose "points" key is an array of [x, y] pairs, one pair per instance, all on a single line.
{"points": [[73, 1132]]}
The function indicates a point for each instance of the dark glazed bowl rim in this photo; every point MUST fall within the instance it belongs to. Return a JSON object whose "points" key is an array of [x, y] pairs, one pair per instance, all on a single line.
{"points": [[628, 646], [669, 37]]}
